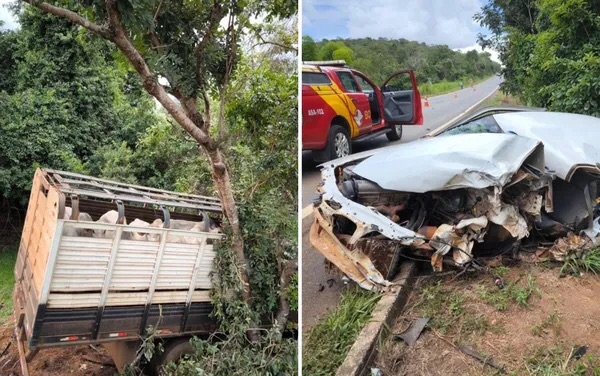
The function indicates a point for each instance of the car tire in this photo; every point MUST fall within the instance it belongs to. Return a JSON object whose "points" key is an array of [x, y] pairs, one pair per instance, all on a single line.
{"points": [[395, 133], [339, 144]]}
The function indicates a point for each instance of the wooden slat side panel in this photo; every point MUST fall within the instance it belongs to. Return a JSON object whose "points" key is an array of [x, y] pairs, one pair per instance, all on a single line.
{"points": [[33, 197], [36, 230], [38, 266], [134, 265], [177, 266], [81, 300], [81, 264], [39, 251], [206, 266], [33, 230]]}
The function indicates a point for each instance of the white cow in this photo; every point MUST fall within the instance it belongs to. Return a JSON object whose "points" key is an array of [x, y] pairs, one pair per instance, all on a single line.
{"points": [[178, 224], [110, 217], [134, 235], [70, 231]]}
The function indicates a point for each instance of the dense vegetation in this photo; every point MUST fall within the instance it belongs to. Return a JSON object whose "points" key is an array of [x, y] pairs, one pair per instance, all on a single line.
{"points": [[379, 58], [550, 50], [71, 100], [62, 99]]}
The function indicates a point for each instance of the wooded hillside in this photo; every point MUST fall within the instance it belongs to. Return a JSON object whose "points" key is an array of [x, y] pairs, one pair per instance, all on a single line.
{"points": [[378, 58]]}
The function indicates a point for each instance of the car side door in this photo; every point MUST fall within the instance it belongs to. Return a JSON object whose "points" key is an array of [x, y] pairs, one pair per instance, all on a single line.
{"points": [[401, 99], [359, 102]]}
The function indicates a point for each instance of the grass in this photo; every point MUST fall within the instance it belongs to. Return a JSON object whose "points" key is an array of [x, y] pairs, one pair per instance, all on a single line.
{"points": [[501, 299], [451, 311], [588, 262], [550, 322], [444, 87], [458, 313], [501, 99], [8, 256], [327, 343], [559, 360], [443, 306]]}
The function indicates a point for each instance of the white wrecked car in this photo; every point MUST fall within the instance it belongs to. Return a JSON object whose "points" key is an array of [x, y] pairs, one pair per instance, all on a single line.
{"points": [[500, 181]]}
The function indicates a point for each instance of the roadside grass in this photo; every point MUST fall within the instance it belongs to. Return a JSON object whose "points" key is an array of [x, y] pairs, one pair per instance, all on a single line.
{"points": [[513, 292], [588, 262], [501, 99], [552, 321], [8, 256], [536, 324], [446, 306], [327, 343], [560, 360], [452, 312], [444, 87]]}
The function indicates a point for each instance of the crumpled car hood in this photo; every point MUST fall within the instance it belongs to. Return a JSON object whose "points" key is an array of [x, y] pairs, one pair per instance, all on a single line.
{"points": [[445, 163], [570, 140]]}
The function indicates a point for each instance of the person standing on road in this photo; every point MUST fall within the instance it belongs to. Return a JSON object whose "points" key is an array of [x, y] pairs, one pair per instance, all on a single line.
{"points": [[461, 85]]}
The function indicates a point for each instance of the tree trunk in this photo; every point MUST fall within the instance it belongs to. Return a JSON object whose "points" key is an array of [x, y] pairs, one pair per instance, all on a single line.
{"points": [[285, 278], [222, 182]]}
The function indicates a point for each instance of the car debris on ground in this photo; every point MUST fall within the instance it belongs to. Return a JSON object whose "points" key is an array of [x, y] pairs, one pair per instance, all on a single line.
{"points": [[504, 182]]}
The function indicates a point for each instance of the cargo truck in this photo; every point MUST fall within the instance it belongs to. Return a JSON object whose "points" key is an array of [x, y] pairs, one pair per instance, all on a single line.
{"points": [[76, 290]]}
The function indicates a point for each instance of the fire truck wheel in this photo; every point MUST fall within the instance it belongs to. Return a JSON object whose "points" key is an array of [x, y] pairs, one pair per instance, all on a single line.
{"points": [[395, 133], [339, 142]]}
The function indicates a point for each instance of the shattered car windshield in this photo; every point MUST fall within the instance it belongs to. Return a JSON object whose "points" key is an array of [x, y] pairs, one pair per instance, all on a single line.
{"points": [[485, 124]]}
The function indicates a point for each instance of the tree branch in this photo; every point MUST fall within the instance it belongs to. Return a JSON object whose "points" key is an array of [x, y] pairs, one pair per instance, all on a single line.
{"points": [[216, 13], [284, 46], [231, 50], [150, 82], [206, 110], [287, 271], [72, 16]]}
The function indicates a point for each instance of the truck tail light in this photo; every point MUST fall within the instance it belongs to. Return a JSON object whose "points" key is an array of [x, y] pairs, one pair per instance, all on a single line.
{"points": [[118, 334]]}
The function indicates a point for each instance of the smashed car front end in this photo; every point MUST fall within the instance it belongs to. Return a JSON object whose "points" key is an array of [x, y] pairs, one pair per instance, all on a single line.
{"points": [[450, 200]]}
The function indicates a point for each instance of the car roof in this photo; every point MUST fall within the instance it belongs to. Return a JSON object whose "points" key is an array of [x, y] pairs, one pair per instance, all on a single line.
{"points": [[570, 140]]}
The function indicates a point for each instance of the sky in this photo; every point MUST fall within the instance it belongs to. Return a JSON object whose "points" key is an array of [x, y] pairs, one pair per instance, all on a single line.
{"points": [[448, 22], [6, 16]]}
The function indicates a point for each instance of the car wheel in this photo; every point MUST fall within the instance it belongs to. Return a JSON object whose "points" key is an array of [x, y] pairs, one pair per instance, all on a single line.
{"points": [[339, 142], [395, 133]]}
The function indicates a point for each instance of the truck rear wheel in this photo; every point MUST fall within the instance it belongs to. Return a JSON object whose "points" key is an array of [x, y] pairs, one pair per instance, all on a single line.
{"points": [[395, 133], [339, 142], [174, 350]]}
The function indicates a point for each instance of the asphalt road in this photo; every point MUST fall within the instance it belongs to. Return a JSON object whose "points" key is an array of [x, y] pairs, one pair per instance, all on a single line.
{"points": [[321, 291]]}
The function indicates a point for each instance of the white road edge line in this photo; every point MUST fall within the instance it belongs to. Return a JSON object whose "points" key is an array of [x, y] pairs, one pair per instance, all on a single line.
{"points": [[307, 210]]}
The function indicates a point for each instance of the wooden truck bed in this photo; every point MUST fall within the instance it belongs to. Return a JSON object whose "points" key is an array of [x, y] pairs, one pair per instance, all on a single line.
{"points": [[72, 289]]}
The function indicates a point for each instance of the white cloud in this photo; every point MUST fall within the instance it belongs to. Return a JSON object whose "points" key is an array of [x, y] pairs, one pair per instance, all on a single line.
{"points": [[6, 16], [429, 21], [476, 47]]}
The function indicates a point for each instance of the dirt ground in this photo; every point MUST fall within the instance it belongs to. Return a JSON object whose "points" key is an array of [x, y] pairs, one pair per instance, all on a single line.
{"points": [[80, 360], [530, 330]]}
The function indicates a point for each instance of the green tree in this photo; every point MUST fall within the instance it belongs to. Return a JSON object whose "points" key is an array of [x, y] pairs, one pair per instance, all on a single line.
{"points": [[343, 53], [64, 97], [551, 57], [194, 46], [8, 46], [309, 49], [379, 58], [327, 48]]}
